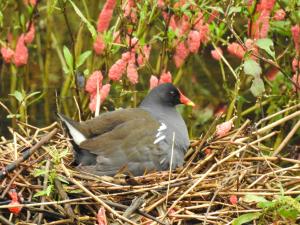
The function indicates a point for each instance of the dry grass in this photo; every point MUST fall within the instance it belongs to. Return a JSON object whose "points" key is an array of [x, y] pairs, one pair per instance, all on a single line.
{"points": [[238, 164]]}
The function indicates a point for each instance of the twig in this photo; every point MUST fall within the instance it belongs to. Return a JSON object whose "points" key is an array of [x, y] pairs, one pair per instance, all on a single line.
{"points": [[287, 139], [107, 207], [27, 154]]}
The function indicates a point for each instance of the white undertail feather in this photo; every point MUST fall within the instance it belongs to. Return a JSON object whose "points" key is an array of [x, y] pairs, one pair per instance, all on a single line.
{"points": [[77, 136]]}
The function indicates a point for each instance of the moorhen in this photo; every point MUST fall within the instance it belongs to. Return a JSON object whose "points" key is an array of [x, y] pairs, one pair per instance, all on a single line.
{"points": [[138, 139]]}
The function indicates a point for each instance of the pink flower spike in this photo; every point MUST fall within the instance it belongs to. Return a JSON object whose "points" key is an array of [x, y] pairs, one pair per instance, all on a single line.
{"points": [[104, 91], [7, 54], [236, 50], [272, 73], [267, 4], [21, 52], [165, 77], [132, 73], [296, 80], [224, 128], [116, 71], [295, 64], [29, 36], [105, 15], [91, 84], [181, 53], [30, 2], [217, 53], [279, 15], [99, 45], [93, 102], [233, 199], [160, 3], [153, 82], [101, 217], [194, 41], [296, 37]]}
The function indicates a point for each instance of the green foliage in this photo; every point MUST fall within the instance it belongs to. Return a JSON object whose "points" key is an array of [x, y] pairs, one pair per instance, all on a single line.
{"points": [[251, 67], [56, 157], [87, 23], [267, 45], [69, 59], [286, 207]]}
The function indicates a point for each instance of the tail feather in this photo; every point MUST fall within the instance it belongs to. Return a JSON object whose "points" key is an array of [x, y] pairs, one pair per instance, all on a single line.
{"points": [[77, 136]]}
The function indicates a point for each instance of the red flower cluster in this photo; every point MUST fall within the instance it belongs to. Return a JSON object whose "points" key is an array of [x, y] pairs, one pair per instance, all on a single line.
{"points": [[165, 77], [93, 83], [103, 22], [195, 33], [14, 201], [260, 27], [217, 53], [20, 56], [129, 62], [279, 15], [296, 37]]}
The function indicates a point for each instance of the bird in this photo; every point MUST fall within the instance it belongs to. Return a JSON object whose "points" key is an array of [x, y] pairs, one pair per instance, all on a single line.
{"points": [[151, 137]]}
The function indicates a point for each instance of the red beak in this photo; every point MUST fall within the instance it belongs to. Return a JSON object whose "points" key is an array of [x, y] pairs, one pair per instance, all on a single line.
{"points": [[184, 100]]}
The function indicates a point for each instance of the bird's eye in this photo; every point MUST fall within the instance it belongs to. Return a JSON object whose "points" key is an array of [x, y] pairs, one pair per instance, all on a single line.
{"points": [[172, 93]]}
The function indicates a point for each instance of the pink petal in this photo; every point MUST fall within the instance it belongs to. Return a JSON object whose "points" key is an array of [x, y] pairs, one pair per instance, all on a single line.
{"points": [[21, 52], [153, 82], [236, 50], [181, 53], [165, 77], [217, 53], [116, 71], [224, 128], [7, 54], [29, 36], [105, 15], [99, 45], [194, 41], [91, 84], [132, 73]]}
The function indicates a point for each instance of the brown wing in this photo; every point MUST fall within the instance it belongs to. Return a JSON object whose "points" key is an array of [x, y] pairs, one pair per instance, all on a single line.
{"points": [[129, 144], [107, 121]]}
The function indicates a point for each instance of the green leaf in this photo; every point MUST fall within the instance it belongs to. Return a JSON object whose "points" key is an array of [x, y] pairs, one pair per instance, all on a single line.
{"points": [[62, 179], [82, 58], [68, 57], [32, 94], [251, 67], [1, 19], [281, 27], [87, 23], [257, 87], [49, 189], [86, 72], [254, 198], [288, 213], [266, 204], [246, 218], [234, 10], [18, 95], [267, 45], [39, 172], [40, 193]]}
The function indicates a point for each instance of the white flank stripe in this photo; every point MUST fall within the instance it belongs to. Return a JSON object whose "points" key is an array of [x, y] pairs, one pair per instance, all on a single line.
{"points": [[159, 139], [162, 127]]}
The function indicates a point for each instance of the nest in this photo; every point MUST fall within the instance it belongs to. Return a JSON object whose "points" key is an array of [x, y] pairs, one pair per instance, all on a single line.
{"points": [[213, 187]]}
